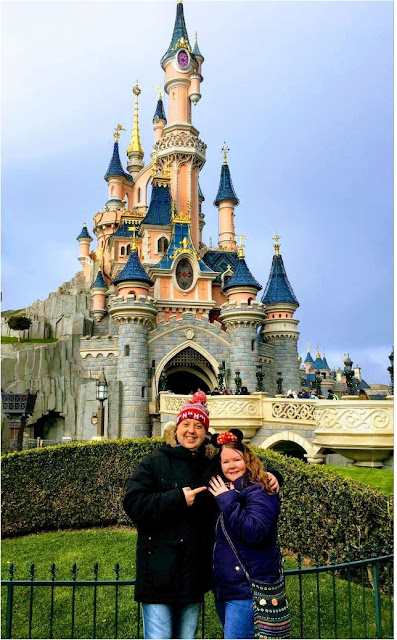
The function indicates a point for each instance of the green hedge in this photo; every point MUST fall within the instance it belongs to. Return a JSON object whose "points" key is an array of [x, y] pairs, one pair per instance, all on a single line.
{"points": [[82, 484]]}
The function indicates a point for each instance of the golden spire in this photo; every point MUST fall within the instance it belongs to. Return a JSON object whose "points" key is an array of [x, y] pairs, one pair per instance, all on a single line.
{"points": [[276, 239], [133, 244], [135, 143], [225, 149], [240, 252], [117, 130]]}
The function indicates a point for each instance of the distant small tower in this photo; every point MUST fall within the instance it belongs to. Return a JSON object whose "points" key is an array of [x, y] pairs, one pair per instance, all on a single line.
{"points": [[279, 328], [134, 313], [226, 200], [115, 176], [196, 78], [135, 152], [308, 360], [85, 240], [242, 316], [159, 119], [98, 293]]}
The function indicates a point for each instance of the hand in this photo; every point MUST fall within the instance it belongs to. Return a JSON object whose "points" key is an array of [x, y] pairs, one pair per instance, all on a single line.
{"points": [[217, 486], [190, 494], [274, 486]]}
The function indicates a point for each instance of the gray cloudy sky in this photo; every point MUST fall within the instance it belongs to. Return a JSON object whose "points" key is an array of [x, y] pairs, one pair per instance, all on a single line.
{"points": [[301, 92]]}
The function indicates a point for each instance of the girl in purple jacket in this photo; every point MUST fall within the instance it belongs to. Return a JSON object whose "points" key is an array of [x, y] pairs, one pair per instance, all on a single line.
{"points": [[250, 514]]}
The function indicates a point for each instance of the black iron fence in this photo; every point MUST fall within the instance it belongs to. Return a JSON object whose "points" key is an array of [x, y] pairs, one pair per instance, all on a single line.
{"points": [[340, 600]]}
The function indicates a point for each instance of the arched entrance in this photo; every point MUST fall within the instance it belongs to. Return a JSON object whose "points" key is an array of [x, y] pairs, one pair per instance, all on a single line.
{"points": [[186, 371]]}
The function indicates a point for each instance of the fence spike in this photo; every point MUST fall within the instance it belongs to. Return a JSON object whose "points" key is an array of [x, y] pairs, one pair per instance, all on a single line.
{"points": [[299, 561], [96, 571], [74, 571], [11, 571], [53, 571], [117, 570], [32, 571], [348, 553], [316, 560], [333, 557]]}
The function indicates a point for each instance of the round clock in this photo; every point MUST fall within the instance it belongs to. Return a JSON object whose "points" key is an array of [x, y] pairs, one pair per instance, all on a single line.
{"points": [[183, 58], [184, 274]]}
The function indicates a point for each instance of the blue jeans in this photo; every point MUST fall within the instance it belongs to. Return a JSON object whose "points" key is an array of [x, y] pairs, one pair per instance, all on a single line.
{"points": [[167, 621], [237, 618]]}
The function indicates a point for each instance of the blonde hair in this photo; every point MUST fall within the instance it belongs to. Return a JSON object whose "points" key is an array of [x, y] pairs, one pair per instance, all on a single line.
{"points": [[255, 466], [169, 435]]}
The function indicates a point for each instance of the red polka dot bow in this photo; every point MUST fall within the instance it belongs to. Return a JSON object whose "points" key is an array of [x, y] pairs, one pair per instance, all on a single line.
{"points": [[226, 437]]}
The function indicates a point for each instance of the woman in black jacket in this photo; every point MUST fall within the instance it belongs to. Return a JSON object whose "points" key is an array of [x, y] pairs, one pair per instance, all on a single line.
{"points": [[168, 501]]}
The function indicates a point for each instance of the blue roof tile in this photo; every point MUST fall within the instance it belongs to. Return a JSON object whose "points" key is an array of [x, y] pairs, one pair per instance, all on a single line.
{"points": [[133, 270], [225, 190], [308, 358], [159, 211], [278, 288], [220, 261], [99, 282], [159, 114], [319, 364], [123, 231], [179, 32], [180, 231], [84, 233], [197, 51], [115, 167], [242, 277]]}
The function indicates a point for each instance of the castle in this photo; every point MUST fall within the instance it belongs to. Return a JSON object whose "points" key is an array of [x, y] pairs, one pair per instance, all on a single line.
{"points": [[154, 308]]}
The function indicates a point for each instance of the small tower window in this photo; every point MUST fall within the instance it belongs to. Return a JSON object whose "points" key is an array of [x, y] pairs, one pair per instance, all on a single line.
{"points": [[253, 344], [122, 251], [132, 293], [162, 245], [139, 194], [128, 250], [127, 350], [250, 302], [279, 315]]}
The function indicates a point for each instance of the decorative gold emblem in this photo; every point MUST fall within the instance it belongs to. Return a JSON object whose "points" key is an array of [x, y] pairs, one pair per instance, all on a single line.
{"points": [[182, 216], [133, 244], [276, 238], [182, 43], [116, 134]]}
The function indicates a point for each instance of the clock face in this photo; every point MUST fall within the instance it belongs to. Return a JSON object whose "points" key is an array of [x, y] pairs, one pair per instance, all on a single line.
{"points": [[184, 274], [183, 58]]}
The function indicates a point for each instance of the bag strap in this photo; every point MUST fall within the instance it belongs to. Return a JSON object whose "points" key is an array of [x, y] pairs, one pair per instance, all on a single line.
{"points": [[280, 559]]}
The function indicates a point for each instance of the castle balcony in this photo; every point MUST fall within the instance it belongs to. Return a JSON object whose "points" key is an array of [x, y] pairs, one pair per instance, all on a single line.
{"points": [[360, 430]]}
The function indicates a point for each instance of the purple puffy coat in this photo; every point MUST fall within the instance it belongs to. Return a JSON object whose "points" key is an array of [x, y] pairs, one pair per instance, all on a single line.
{"points": [[250, 517]]}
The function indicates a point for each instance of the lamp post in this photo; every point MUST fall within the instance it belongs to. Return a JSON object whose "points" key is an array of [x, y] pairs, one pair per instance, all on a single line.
{"points": [[317, 382], [18, 407], [102, 390], [221, 376], [259, 376], [349, 375], [163, 381], [391, 371], [237, 382], [279, 382]]}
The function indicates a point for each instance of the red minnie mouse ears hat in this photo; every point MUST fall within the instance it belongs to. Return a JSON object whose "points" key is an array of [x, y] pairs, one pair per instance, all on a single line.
{"points": [[234, 435], [195, 409]]}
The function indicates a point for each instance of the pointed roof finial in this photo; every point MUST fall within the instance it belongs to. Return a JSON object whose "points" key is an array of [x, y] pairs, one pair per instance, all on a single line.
{"points": [[318, 355], [241, 252], [225, 150], [135, 142], [133, 245], [308, 347], [117, 130], [276, 239], [158, 87]]}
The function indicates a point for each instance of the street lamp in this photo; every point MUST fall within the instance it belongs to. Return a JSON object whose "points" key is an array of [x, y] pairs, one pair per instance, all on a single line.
{"points": [[317, 382], [279, 382], [259, 376], [102, 390], [238, 382], [391, 371], [349, 375], [221, 376]]}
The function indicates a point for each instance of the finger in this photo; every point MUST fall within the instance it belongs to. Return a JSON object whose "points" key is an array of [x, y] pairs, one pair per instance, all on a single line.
{"points": [[199, 490]]}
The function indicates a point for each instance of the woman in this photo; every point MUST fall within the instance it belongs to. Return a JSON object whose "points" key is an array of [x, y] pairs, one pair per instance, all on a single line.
{"points": [[168, 501], [248, 515]]}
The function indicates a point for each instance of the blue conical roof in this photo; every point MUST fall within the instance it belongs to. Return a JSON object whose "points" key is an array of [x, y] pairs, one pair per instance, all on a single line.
{"points": [[99, 282], [159, 211], [278, 288], [84, 233], [133, 270], [226, 191], [197, 51], [242, 277], [308, 357], [115, 167], [319, 364], [179, 32], [180, 231], [159, 114]]}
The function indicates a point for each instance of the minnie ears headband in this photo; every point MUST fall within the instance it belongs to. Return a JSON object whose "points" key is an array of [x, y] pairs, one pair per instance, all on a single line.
{"points": [[234, 435]]}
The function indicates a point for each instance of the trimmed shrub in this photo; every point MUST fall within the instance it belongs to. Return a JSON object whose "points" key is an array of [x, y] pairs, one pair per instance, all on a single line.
{"points": [[82, 484]]}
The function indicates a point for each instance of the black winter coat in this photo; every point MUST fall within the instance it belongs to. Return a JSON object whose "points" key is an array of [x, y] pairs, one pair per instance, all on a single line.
{"points": [[174, 548]]}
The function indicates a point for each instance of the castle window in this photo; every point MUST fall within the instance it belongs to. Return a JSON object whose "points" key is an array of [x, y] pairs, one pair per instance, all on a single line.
{"points": [[128, 250], [132, 293], [162, 245], [139, 194], [273, 315], [122, 251], [279, 315], [253, 344], [250, 302], [127, 350]]}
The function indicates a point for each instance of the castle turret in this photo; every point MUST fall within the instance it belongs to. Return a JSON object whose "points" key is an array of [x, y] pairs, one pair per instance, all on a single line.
{"points": [[226, 200], [242, 316], [84, 240], [159, 119], [308, 360], [98, 291], [196, 78], [279, 329], [115, 176], [135, 152], [134, 313]]}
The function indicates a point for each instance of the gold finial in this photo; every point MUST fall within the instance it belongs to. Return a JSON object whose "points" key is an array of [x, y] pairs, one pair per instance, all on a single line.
{"points": [[318, 353], [240, 252], [158, 87], [180, 1], [276, 238], [135, 142], [308, 347], [225, 150], [84, 224], [133, 244], [195, 38], [185, 243], [116, 134]]}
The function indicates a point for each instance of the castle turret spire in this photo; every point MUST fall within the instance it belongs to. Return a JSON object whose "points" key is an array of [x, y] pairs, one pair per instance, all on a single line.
{"points": [[159, 119], [135, 152], [278, 289], [226, 200], [180, 36]]}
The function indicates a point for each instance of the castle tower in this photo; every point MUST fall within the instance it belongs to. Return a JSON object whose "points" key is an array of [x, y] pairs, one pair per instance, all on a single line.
{"points": [[84, 239], [226, 200], [134, 313], [180, 147], [308, 360], [242, 315], [115, 176], [279, 328], [159, 119], [98, 293], [135, 152]]}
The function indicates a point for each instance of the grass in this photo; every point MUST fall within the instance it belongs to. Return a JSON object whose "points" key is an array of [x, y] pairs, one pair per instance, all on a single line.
{"points": [[380, 478], [14, 340], [110, 545]]}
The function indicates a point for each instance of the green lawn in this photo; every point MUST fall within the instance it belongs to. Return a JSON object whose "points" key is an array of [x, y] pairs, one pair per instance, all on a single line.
{"points": [[13, 340], [381, 478], [108, 546]]}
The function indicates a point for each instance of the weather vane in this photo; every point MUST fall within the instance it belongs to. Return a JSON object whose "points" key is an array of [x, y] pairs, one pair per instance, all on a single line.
{"points": [[225, 150], [117, 130]]}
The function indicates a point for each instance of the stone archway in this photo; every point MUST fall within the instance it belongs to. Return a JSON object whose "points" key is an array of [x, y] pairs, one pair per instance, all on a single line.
{"points": [[188, 368], [295, 445]]}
